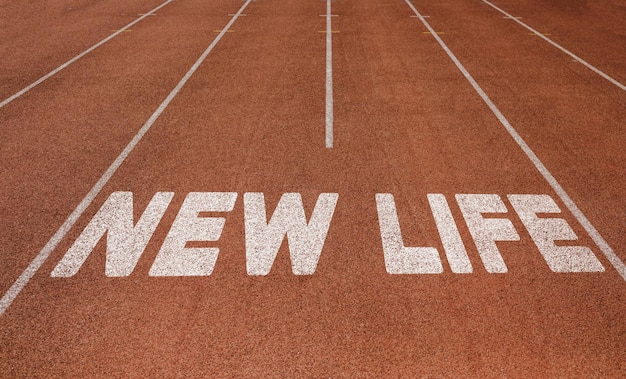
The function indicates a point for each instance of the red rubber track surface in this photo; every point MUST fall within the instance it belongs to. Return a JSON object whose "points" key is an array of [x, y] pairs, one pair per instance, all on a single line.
{"points": [[251, 119]]}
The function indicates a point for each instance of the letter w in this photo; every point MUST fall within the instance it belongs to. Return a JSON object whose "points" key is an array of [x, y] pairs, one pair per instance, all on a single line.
{"points": [[305, 240]]}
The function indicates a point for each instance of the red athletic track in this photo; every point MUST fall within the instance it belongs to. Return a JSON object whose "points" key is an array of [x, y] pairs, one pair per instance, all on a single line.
{"points": [[251, 119]]}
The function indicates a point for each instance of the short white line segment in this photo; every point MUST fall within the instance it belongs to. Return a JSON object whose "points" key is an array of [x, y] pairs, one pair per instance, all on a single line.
{"points": [[569, 203], [576, 57], [34, 266], [329, 78], [64, 65]]}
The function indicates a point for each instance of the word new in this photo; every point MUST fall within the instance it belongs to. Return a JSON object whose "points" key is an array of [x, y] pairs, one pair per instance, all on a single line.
{"points": [[126, 240]]}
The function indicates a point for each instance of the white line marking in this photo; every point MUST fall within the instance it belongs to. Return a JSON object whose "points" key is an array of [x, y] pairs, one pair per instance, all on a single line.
{"points": [[577, 58], [329, 78], [569, 203], [64, 65], [32, 268]]}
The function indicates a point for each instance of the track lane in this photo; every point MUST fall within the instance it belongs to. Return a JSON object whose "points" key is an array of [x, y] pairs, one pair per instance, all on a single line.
{"points": [[57, 141], [407, 123], [40, 36], [570, 116], [594, 29]]}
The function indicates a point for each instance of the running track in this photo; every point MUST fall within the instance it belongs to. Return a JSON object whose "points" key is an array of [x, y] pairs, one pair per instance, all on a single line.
{"points": [[409, 150]]}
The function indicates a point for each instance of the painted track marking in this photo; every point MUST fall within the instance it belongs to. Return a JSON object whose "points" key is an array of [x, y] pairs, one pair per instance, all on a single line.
{"points": [[569, 203], [329, 77], [34, 266], [64, 65], [576, 57]]}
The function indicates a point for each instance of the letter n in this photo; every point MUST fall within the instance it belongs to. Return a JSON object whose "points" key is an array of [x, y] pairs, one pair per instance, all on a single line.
{"points": [[125, 241]]}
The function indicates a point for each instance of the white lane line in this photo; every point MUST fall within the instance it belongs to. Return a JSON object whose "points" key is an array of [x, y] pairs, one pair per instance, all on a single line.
{"points": [[569, 203], [64, 65], [329, 78], [576, 57], [34, 266]]}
